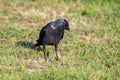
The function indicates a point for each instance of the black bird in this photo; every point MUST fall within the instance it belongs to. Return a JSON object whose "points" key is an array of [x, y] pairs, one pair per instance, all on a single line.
{"points": [[51, 34]]}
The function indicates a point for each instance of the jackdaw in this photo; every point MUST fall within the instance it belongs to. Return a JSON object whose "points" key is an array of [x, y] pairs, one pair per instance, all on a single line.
{"points": [[51, 34]]}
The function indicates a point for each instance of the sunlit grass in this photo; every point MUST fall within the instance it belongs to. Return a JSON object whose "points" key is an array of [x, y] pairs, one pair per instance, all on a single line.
{"points": [[89, 51]]}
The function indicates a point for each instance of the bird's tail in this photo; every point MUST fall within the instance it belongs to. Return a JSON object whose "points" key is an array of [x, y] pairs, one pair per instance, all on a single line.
{"points": [[38, 44]]}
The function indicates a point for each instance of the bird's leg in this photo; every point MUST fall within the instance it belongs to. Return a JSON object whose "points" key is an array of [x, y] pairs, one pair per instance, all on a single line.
{"points": [[56, 49], [48, 54], [44, 50]]}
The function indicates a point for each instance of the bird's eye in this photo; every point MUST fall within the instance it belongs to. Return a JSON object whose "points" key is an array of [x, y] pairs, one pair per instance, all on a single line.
{"points": [[65, 24]]}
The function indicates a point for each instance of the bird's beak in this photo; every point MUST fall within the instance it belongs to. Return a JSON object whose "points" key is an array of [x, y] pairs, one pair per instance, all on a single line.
{"points": [[68, 28]]}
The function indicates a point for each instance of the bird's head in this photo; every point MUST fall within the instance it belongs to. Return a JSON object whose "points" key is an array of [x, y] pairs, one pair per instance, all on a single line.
{"points": [[61, 24], [66, 25]]}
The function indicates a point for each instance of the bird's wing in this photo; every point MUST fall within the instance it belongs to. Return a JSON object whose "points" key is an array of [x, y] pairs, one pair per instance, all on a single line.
{"points": [[42, 34]]}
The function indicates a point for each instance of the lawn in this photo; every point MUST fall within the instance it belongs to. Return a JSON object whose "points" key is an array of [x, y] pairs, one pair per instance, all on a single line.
{"points": [[89, 51]]}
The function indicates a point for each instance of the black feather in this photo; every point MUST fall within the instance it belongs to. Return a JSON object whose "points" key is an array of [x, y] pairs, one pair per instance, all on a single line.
{"points": [[52, 33]]}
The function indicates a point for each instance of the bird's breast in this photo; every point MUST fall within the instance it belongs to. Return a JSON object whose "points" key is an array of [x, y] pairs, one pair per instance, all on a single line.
{"points": [[52, 39]]}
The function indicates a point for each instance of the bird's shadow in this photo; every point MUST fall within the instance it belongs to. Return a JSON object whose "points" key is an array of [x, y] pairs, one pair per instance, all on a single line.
{"points": [[27, 44]]}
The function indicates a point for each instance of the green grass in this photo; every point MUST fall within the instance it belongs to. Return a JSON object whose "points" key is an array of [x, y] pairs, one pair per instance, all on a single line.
{"points": [[90, 51]]}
